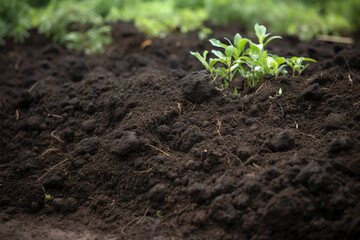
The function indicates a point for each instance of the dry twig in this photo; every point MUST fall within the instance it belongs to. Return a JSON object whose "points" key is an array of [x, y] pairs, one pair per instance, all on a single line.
{"points": [[158, 149], [55, 135], [52, 168], [49, 150]]}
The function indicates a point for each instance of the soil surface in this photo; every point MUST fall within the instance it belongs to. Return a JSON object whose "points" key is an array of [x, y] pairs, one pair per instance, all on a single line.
{"points": [[139, 144]]}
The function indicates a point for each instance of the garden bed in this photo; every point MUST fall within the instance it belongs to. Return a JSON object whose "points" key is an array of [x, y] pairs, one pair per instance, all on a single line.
{"points": [[139, 144]]}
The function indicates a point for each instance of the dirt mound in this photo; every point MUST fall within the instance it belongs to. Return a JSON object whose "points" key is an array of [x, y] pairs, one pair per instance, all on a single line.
{"points": [[138, 143]]}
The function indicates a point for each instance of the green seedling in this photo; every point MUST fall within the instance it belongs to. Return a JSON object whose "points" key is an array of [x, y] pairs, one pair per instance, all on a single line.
{"points": [[226, 64], [296, 64], [47, 196], [247, 58], [278, 94], [158, 214]]}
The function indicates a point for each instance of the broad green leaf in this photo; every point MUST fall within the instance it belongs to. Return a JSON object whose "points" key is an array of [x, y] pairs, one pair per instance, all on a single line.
{"points": [[245, 58], [229, 51], [299, 61], [218, 54], [233, 67], [279, 60], [282, 69], [200, 58], [256, 47], [241, 44], [217, 43], [237, 38], [260, 32], [217, 60]]}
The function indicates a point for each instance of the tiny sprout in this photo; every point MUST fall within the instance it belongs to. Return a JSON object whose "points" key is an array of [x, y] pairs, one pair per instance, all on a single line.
{"points": [[47, 196], [296, 64], [158, 214], [277, 94]]}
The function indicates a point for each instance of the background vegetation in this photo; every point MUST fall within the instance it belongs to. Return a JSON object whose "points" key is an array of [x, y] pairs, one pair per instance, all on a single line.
{"points": [[84, 24]]}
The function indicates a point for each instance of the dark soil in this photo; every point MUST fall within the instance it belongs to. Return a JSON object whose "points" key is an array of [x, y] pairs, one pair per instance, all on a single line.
{"points": [[114, 139]]}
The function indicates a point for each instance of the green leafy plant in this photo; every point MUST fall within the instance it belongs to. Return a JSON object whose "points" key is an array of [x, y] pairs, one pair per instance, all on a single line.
{"points": [[296, 64], [92, 40], [14, 20], [252, 62]]}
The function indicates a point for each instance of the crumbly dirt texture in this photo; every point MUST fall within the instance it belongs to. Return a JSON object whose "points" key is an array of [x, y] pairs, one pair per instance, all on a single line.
{"points": [[138, 143]]}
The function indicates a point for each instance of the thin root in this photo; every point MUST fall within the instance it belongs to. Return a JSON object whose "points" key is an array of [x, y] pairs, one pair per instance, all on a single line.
{"points": [[33, 86], [57, 150], [142, 216], [218, 126], [308, 135], [55, 135], [158, 149], [52, 168], [138, 219], [357, 103], [145, 171], [17, 114], [179, 107]]}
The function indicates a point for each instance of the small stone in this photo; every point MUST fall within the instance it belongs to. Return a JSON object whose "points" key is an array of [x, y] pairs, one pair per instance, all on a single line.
{"points": [[191, 165], [199, 192], [158, 192], [128, 143], [178, 127], [200, 217], [243, 153], [223, 185], [334, 121], [54, 179], [164, 129], [284, 141], [317, 183], [222, 209], [87, 145], [305, 173], [88, 125], [35, 207], [251, 186], [70, 205], [250, 121], [91, 109], [57, 203], [339, 144], [271, 173], [241, 201], [190, 137], [197, 88], [77, 71], [312, 93]]}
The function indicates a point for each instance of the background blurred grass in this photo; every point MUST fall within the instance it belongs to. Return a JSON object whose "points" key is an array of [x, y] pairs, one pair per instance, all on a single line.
{"points": [[83, 24]]}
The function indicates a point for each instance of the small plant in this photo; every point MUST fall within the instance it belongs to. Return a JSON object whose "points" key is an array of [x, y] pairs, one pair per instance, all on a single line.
{"points": [[158, 214], [296, 64], [252, 62], [278, 94]]}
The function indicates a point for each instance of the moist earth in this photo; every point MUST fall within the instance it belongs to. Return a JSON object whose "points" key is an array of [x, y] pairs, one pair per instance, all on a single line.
{"points": [[139, 143]]}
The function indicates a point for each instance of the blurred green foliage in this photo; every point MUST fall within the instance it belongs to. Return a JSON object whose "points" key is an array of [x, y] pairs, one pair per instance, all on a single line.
{"points": [[14, 20], [79, 24]]}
